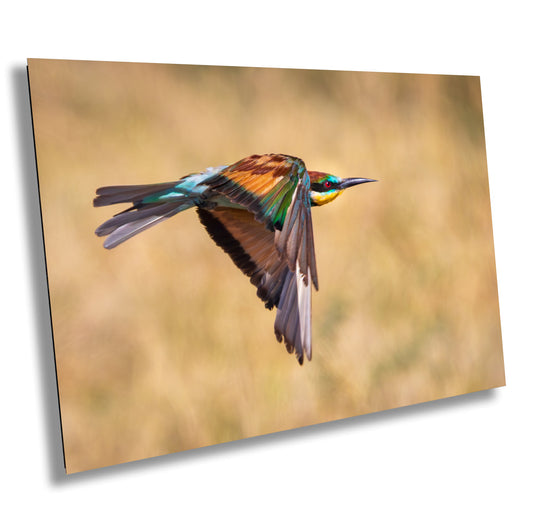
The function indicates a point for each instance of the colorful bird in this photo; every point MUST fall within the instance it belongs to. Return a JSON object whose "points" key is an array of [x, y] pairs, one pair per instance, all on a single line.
{"points": [[258, 210]]}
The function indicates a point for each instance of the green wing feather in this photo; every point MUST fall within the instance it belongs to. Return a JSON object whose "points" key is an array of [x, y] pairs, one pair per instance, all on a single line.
{"points": [[264, 184], [275, 188]]}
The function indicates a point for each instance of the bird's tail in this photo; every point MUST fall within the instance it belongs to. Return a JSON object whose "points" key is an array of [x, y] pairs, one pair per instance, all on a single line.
{"points": [[151, 204]]}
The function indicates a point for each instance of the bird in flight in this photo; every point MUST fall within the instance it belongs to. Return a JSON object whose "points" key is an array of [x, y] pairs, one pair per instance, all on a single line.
{"points": [[258, 210]]}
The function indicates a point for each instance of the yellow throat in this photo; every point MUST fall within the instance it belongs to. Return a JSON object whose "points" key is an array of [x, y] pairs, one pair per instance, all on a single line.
{"points": [[320, 198]]}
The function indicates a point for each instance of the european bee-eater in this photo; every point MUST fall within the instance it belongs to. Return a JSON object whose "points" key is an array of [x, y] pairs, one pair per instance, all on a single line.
{"points": [[258, 210]]}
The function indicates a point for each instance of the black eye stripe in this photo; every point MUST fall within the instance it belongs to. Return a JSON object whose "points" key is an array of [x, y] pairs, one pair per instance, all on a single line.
{"points": [[317, 187], [322, 187]]}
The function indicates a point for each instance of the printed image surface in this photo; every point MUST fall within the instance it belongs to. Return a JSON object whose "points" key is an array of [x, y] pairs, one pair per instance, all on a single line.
{"points": [[162, 344]]}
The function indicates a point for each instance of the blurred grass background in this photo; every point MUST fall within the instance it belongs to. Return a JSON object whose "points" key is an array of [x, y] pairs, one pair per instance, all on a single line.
{"points": [[162, 345]]}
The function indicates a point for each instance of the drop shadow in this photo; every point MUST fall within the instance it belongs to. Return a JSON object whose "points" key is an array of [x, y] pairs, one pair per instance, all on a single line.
{"points": [[324, 430], [34, 242]]}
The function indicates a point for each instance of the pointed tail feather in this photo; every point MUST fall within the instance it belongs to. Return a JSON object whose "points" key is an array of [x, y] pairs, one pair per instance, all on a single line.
{"points": [[127, 224], [151, 204], [131, 193]]}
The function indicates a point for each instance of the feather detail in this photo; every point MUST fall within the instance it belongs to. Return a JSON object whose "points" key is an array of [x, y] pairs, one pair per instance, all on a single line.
{"points": [[128, 223], [251, 247], [285, 206], [290, 240], [259, 183], [130, 193], [293, 320]]}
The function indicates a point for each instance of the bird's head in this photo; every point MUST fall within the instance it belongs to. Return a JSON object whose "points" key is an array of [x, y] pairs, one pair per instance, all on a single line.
{"points": [[326, 187]]}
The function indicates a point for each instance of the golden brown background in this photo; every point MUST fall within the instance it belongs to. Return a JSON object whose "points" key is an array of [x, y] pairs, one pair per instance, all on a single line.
{"points": [[162, 345]]}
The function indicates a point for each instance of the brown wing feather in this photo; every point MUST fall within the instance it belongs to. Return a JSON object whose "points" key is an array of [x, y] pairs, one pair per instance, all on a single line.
{"points": [[252, 248], [263, 184]]}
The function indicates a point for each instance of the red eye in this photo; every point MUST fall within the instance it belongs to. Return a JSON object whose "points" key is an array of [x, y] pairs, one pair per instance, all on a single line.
{"points": [[327, 184]]}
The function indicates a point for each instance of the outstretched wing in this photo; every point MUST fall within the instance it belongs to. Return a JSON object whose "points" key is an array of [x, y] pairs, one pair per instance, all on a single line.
{"points": [[275, 188], [272, 242], [252, 248]]}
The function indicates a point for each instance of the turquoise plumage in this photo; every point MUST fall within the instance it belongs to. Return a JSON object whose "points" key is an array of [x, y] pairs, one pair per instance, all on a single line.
{"points": [[258, 210]]}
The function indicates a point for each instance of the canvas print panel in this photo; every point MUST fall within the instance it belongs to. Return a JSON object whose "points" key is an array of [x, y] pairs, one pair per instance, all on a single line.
{"points": [[161, 342]]}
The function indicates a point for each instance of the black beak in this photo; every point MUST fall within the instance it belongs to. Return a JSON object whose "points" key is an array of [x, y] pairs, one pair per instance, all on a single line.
{"points": [[353, 181]]}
